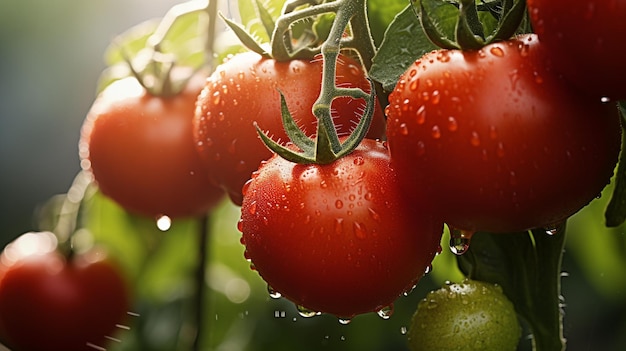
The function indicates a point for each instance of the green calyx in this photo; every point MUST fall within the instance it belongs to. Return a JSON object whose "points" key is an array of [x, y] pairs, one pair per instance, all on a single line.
{"points": [[477, 24], [348, 17], [327, 146]]}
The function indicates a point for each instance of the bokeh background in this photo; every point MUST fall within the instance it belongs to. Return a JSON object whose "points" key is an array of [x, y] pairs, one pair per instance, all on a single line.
{"points": [[50, 60]]}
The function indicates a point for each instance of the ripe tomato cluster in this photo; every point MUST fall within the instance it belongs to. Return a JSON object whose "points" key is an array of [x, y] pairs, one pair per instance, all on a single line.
{"points": [[493, 139]]}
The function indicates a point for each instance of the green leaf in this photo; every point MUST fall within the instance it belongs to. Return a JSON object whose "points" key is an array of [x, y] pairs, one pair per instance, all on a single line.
{"points": [[266, 18], [404, 42], [615, 213], [528, 267], [252, 21], [246, 38]]}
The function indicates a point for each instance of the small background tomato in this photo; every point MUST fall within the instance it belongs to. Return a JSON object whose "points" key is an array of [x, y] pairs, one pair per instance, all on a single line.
{"points": [[471, 315], [337, 238], [245, 89], [50, 303], [585, 39], [140, 150], [502, 142]]}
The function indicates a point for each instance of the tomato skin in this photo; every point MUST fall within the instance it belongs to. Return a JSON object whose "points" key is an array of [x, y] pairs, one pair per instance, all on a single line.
{"points": [[585, 39], [503, 144], [49, 303], [244, 90], [337, 238], [140, 150], [471, 315]]}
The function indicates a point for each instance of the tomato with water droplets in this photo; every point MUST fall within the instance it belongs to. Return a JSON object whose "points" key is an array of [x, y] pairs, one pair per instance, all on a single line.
{"points": [[502, 143], [245, 89], [337, 238], [140, 150], [585, 39]]}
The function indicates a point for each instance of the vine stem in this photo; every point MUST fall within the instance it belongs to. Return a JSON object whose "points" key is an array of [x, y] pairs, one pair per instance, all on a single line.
{"points": [[200, 281], [70, 211]]}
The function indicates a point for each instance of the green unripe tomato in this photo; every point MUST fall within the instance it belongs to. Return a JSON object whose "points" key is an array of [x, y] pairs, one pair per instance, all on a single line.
{"points": [[471, 315]]}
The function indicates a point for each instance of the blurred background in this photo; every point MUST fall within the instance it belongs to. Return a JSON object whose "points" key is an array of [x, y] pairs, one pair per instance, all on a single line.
{"points": [[51, 54], [50, 60]]}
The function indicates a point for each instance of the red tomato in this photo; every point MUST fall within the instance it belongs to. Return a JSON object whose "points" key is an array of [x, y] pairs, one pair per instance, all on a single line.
{"points": [[50, 303], [337, 238], [140, 150], [585, 39], [502, 142], [245, 89]]}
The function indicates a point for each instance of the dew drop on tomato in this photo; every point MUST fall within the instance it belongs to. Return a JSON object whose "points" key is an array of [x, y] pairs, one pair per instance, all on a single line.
{"points": [[344, 321], [273, 293], [385, 312], [460, 240], [306, 313]]}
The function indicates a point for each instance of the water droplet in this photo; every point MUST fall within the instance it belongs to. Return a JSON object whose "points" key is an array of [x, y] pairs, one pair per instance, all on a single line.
{"points": [[280, 314], [453, 125], [403, 330], [435, 132], [164, 223], [306, 313], [358, 161], [554, 229], [404, 129], [497, 51], [338, 226], [216, 98], [373, 214], [538, 78], [273, 293], [421, 148], [500, 150], [429, 269], [385, 312], [435, 97], [475, 139], [354, 70], [359, 230], [414, 85], [323, 184], [344, 321], [420, 115], [339, 204], [252, 208], [460, 240]]}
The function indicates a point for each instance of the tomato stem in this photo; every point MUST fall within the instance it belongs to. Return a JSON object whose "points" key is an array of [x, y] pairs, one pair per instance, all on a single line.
{"points": [[70, 211], [328, 147], [200, 279]]}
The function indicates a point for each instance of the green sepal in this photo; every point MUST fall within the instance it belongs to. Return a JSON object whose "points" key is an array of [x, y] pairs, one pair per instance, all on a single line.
{"points": [[513, 12], [245, 37], [362, 127], [469, 30], [615, 213], [433, 33], [295, 135], [266, 18]]}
